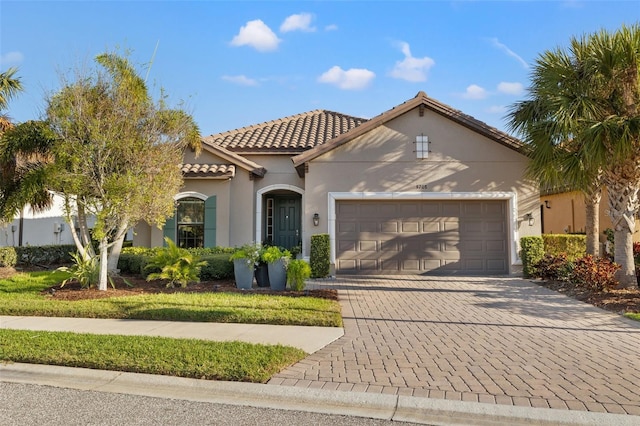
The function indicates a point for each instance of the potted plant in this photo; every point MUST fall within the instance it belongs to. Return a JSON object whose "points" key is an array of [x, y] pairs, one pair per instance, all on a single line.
{"points": [[262, 271], [297, 272], [277, 260], [245, 260]]}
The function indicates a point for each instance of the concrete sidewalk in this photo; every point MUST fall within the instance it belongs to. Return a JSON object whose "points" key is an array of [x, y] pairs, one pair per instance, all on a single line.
{"points": [[309, 339]]}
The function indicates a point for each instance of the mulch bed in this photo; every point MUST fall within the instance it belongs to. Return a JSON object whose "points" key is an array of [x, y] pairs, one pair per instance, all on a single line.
{"points": [[134, 285], [620, 301]]}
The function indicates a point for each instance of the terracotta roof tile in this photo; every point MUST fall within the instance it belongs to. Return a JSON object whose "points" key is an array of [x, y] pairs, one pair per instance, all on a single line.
{"points": [[295, 133], [208, 170]]}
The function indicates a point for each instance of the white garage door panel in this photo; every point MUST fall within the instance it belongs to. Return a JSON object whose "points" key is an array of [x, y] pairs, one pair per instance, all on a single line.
{"points": [[417, 237]]}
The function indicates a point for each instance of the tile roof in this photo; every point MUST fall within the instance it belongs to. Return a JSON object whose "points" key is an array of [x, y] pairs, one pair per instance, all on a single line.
{"points": [[292, 134], [215, 171], [421, 100], [236, 159]]}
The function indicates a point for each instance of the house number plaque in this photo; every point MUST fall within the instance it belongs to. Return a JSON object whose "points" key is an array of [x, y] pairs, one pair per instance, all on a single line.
{"points": [[422, 186]]}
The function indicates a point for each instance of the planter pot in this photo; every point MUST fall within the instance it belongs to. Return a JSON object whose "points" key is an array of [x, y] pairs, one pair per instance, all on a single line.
{"points": [[262, 275], [277, 275], [243, 274]]}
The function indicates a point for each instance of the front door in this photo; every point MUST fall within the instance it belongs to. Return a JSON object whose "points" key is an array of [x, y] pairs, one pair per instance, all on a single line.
{"points": [[287, 230]]}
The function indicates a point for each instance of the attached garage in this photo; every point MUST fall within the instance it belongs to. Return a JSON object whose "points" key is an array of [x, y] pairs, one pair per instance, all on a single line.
{"points": [[421, 237]]}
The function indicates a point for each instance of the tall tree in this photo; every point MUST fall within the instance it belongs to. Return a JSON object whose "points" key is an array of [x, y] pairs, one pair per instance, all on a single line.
{"points": [[581, 123], [10, 86], [110, 151], [117, 155]]}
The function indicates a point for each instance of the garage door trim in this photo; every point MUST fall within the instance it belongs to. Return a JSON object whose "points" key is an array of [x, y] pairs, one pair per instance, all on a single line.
{"points": [[510, 197]]}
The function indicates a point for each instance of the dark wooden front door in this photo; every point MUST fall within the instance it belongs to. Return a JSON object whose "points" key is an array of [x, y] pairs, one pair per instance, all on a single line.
{"points": [[287, 230]]}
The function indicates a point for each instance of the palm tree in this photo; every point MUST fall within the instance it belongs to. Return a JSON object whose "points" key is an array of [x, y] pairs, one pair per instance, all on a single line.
{"points": [[10, 86], [582, 126]]}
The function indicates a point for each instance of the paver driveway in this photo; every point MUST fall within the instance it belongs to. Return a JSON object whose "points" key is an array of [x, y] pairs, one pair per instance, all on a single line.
{"points": [[494, 340]]}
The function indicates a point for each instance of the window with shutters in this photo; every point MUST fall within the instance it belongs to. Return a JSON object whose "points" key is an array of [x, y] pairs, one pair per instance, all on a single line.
{"points": [[190, 222]]}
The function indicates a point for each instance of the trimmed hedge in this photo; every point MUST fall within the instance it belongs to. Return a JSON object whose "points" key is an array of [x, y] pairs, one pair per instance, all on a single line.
{"points": [[134, 260], [45, 255], [319, 257], [8, 256], [573, 245], [218, 267], [532, 251]]}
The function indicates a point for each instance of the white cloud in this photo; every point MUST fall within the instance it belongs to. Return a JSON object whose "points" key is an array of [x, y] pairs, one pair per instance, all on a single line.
{"points": [[298, 22], [11, 58], [257, 35], [475, 92], [504, 48], [510, 88], [240, 80], [331, 27], [352, 79], [410, 68]]}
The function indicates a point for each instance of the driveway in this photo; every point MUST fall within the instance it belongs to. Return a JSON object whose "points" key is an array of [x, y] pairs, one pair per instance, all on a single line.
{"points": [[491, 340]]}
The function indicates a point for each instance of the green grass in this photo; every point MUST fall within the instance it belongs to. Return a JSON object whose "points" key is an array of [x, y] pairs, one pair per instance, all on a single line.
{"points": [[633, 316], [234, 361], [20, 295]]}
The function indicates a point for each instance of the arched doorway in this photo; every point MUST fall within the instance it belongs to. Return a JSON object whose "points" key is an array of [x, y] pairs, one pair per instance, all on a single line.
{"points": [[279, 220]]}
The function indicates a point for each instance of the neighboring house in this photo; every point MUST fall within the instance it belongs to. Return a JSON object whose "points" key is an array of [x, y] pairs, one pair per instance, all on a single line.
{"points": [[565, 212], [37, 228], [421, 188]]}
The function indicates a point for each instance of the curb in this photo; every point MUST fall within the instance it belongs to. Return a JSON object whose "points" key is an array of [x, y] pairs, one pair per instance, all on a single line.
{"points": [[359, 404]]}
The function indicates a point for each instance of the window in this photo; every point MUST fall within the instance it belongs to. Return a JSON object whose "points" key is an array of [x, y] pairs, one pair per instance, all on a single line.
{"points": [[422, 146], [190, 222]]}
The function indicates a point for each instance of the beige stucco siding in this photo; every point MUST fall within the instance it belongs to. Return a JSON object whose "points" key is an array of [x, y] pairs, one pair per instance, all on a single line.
{"points": [[383, 162]]}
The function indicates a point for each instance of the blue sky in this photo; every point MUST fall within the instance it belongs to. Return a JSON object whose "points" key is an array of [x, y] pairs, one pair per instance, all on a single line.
{"points": [[239, 63]]}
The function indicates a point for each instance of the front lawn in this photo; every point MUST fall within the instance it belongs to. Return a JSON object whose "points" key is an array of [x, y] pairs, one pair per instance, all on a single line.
{"points": [[233, 361], [22, 295]]}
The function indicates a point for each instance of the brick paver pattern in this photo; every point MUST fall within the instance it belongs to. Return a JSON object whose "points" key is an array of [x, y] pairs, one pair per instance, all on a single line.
{"points": [[492, 340]]}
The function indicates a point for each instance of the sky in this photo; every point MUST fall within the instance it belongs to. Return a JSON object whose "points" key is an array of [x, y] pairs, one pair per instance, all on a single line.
{"points": [[234, 64]]}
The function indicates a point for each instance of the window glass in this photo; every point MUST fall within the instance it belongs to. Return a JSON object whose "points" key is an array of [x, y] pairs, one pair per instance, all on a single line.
{"points": [[190, 222]]}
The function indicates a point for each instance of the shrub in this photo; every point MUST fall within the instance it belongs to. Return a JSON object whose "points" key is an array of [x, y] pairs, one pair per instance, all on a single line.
{"points": [[298, 271], [85, 271], [218, 267], [573, 246], [319, 257], [177, 265], [8, 256], [552, 267], [45, 255], [273, 254], [596, 273], [532, 252]]}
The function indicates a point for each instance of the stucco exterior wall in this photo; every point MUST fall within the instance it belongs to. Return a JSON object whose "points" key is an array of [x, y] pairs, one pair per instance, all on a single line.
{"points": [[383, 161], [567, 213]]}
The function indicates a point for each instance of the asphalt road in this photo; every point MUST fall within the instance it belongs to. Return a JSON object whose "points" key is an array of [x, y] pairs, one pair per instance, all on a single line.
{"points": [[26, 404]]}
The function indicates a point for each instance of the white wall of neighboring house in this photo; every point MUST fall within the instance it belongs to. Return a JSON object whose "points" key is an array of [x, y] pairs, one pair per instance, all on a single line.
{"points": [[41, 228]]}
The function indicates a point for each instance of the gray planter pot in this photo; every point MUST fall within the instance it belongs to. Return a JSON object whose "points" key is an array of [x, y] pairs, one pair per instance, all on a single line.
{"points": [[243, 274], [277, 275]]}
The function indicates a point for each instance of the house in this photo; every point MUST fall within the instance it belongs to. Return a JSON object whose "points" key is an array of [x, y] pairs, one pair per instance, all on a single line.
{"points": [[421, 188], [565, 212], [38, 228]]}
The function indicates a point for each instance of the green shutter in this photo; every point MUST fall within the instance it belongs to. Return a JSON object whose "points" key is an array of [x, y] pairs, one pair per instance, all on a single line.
{"points": [[210, 222], [169, 229]]}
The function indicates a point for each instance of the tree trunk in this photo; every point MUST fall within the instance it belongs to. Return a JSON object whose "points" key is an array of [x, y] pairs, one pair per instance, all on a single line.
{"points": [[114, 254], [622, 187], [102, 282], [592, 202]]}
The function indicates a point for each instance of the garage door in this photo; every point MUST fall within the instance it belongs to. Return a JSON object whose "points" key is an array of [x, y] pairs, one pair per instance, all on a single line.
{"points": [[417, 237]]}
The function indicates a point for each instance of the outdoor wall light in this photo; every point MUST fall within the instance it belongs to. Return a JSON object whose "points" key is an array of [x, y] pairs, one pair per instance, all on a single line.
{"points": [[316, 219], [547, 204], [529, 217]]}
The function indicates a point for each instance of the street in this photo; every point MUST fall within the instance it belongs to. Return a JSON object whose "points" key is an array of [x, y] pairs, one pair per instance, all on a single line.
{"points": [[26, 404]]}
